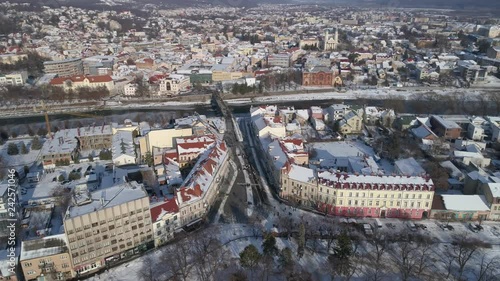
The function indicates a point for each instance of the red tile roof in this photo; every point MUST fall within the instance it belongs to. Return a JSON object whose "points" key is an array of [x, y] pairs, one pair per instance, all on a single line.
{"points": [[169, 206], [80, 78]]}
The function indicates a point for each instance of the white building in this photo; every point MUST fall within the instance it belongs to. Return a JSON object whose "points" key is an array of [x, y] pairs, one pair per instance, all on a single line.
{"points": [[130, 89], [174, 84], [13, 79], [123, 148]]}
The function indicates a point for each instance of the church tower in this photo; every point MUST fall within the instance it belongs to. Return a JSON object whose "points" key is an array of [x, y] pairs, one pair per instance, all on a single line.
{"points": [[331, 42]]}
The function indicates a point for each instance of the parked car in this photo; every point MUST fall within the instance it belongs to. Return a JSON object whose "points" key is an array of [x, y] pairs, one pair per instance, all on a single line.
{"points": [[390, 225], [411, 225], [368, 229], [473, 227]]}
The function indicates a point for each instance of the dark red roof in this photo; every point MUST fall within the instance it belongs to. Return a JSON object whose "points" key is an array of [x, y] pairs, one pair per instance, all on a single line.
{"points": [[80, 78], [169, 206]]}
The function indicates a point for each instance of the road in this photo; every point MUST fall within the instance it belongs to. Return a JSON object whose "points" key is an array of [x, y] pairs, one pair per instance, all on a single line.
{"points": [[240, 202]]}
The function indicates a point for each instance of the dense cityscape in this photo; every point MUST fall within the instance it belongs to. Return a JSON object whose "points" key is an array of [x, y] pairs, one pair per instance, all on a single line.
{"points": [[162, 140]]}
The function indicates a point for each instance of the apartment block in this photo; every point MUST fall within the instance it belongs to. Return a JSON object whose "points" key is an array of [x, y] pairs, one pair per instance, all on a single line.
{"points": [[63, 68], [107, 225]]}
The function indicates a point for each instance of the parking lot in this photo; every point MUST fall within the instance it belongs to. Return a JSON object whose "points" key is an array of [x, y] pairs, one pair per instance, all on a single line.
{"points": [[436, 229]]}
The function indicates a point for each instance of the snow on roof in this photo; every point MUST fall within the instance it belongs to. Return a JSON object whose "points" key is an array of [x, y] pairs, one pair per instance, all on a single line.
{"points": [[194, 144], [329, 150], [47, 246], [455, 172], [275, 151], [65, 141], [303, 113], [168, 206], [463, 154], [380, 180], [422, 132], [107, 198], [202, 175], [300, 173], [448, 124], [123, 144], [409, 167], [495, 189], [459, 202]]}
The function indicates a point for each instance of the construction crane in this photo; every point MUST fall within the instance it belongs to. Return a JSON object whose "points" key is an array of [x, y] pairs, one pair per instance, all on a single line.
{"points": [[45, 111]]}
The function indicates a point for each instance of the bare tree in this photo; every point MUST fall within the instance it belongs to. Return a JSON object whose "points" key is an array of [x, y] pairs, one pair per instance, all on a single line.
{"points": [[148, 270], [424, 251], [178, 260], [208, 255], [404, 255], [486, 268], [464, 249], [62, 196], [380, 243]]}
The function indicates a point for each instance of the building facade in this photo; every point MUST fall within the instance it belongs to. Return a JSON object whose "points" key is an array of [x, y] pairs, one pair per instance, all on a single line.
{"points": [[105, 226], [48, 257], [358, 195], [198, 192], [79, 81], [174, 84], [64, 68], [318, 76]]}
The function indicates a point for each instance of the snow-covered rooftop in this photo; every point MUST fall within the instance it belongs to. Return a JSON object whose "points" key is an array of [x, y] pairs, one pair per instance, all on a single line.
{"points": [[495, 189], [409, 167], [459, 202], [109, 197], [47, 246]]}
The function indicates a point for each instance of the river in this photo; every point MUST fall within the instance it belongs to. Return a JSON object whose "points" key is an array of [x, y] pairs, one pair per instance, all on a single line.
{"points": [[163, 115]]}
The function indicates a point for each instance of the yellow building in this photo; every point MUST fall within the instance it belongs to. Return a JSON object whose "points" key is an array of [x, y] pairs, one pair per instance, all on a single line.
{"points": [[79, 81], [358, 195], [218, 75], [351, 124], [162, 138]]}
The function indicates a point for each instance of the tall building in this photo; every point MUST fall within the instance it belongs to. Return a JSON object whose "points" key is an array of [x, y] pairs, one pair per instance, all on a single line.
{"points": [[63, 68], [107, 225]]}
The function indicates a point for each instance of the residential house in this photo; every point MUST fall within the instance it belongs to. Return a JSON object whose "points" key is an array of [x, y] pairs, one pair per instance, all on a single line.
{"points": [[445, 128], [351, 124]]}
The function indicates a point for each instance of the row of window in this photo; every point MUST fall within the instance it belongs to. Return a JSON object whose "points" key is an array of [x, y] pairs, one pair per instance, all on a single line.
{"points": [[110, 219]]}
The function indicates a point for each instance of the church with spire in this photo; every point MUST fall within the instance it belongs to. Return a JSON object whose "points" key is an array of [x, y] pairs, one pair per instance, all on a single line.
{"points": [[331, 43]]}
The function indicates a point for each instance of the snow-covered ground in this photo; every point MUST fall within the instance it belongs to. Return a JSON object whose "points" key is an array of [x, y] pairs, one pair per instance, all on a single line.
{"points": [[20, 160], [381, 93]]}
